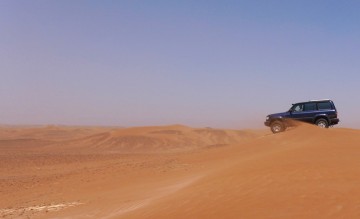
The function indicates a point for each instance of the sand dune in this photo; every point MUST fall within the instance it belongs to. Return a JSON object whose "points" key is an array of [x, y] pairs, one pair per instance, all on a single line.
{"points": [[155, 140], [305, 172]]}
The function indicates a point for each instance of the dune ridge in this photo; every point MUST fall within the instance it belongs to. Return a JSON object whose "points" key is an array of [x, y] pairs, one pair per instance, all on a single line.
{"points": [[156, 139]]}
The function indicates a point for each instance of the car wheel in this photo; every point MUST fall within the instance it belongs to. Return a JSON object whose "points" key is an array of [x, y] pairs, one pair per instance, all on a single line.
{"points": [[277, 127], [322, 123]]}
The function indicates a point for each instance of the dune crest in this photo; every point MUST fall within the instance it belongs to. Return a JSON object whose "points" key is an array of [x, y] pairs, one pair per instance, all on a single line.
{"points": [[156, 139]]}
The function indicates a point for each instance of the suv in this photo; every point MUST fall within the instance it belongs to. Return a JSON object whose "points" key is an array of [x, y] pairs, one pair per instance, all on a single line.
{"points": [[319, 112]]}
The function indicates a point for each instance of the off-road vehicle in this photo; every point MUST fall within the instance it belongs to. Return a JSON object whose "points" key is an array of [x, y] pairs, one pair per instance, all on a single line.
{"points": [[319, 112]]}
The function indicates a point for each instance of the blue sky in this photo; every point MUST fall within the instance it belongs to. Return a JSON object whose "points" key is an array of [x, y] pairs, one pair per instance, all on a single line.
{"points": [[200, 63]]}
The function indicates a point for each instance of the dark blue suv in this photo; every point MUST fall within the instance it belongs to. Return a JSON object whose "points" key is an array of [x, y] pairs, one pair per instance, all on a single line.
{"points": [[320, 112]]}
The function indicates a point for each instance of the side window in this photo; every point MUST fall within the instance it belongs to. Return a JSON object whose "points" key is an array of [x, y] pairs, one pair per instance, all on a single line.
{"points": [[298, 107], [324, 106], [309, 106]]}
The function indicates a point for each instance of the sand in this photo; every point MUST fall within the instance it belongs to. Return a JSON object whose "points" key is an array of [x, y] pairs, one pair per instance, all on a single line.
{"points": [[178, 172]]}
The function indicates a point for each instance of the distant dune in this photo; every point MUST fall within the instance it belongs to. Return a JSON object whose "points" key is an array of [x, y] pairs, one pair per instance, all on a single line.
{"points": [[121, 140], [155, 140], [179, 172]]}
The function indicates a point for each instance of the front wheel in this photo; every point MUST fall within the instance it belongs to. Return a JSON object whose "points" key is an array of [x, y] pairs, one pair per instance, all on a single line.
{"points": [[322, 123], [277, 127]]}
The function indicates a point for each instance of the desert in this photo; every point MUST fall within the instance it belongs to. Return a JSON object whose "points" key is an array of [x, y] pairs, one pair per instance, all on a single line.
{"points": [[179, 109], [178, 172]]}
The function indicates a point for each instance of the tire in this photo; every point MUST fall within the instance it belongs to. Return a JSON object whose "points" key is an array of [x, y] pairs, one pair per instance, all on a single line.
{"points": [[277, 127], [322, 123]]}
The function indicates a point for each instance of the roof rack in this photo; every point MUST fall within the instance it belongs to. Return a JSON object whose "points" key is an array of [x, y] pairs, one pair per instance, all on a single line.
{"points": [[319, 100]]}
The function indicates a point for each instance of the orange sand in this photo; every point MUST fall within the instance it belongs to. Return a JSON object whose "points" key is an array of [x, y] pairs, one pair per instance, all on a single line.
{"points": [[178, 172]]}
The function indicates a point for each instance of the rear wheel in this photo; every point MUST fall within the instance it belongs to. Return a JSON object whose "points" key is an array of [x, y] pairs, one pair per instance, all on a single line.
{"points": [[277, 127], [323, 123]]}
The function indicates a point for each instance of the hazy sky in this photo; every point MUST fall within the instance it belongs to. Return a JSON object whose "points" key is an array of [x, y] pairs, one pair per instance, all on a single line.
{"points": [[198, 63]]}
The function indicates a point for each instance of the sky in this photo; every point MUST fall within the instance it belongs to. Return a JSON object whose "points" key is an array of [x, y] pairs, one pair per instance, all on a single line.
{"points": [[200, 63]]}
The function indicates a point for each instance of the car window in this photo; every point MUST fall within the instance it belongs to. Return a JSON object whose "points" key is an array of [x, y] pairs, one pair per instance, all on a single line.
{"points": [[298, 107], [324, 106], [309, 106]]}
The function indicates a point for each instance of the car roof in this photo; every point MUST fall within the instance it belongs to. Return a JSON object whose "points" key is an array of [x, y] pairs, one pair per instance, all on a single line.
{"points": [[320, 100]]}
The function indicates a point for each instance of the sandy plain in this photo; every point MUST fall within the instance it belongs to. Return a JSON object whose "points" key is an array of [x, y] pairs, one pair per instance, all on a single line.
{"points": [[178, 172]]}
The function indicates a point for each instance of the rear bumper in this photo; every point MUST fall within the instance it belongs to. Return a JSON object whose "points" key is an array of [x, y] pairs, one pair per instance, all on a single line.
{"points": [[334, 121]]}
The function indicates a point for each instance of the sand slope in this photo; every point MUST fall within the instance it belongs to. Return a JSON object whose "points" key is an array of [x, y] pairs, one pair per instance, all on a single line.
{"points": [[305, 172]]}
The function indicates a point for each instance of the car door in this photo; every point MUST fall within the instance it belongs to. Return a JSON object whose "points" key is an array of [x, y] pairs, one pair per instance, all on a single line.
{"points": [[297, 112], [304, 112], [310, 111]]}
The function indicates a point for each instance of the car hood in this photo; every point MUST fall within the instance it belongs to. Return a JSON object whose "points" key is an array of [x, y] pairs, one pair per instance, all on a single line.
{"points": [[279, 114]]}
